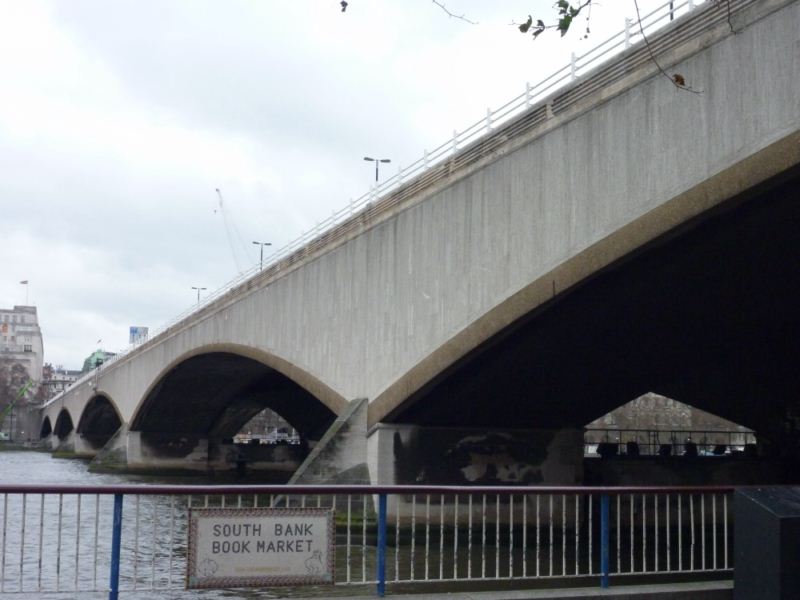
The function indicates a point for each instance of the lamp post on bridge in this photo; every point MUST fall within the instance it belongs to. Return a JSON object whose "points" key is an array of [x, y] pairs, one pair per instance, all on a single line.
{"points": [[261, 259], [376, 161], [198, 292]]}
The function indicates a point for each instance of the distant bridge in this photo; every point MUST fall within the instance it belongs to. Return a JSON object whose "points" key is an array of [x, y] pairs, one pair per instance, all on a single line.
{"points": [[617, 237]]}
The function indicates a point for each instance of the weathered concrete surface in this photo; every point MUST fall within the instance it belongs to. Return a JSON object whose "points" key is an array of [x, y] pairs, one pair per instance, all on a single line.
{"points": [[382, 314], [341, 455], [408, 454]]}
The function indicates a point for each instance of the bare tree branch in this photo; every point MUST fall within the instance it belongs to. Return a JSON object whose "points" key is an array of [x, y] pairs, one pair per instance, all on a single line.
{"points": [[676, 79], [730, 23], [449, 14]]}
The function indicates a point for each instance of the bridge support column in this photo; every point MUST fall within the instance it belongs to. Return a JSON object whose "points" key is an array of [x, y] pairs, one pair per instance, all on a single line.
{"points": [[411, 454], [73, 445], [341, 455], [166, 452], [136, 451]]}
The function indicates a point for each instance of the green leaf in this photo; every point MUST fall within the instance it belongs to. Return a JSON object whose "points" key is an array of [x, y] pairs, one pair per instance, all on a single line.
{"points": [[526, 25], [563, 25]]}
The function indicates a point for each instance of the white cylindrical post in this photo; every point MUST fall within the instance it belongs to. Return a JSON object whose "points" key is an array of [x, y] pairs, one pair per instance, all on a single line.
{"points": [[527, 93], [455, 141], [573, 67], [627, 32]]}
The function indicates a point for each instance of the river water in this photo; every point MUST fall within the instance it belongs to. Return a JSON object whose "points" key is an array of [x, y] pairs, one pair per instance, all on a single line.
{"points": [[72, 541]]}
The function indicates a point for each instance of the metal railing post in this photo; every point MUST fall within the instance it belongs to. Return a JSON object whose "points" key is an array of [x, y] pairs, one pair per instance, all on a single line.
{"points": [[604, 540], [380, 568], [116, 543], [627, 32]]}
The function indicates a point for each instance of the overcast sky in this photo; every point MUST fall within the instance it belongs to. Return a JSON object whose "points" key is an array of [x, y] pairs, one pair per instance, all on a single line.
{"points": [[119, 118]]}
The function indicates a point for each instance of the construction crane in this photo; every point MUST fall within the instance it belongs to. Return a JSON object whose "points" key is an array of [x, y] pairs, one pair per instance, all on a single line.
{"points": [[230, 231]]}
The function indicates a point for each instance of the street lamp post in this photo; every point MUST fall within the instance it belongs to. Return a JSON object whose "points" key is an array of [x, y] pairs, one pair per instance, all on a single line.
{"points": [[376, 161], [198, 292], [261, 259]]}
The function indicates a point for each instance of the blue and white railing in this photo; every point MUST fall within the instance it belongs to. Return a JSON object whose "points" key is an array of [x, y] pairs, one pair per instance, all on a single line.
{"points": [[133, 539]]}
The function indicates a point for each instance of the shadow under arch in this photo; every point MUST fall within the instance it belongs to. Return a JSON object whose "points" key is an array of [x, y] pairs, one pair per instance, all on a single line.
{"points": [[217, 389], [99, 420], [704, 312], [64, 424], [47, 428]]}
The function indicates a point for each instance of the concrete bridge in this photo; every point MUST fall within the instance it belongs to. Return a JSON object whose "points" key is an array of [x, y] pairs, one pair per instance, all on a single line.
{"points": [[623, 236]]}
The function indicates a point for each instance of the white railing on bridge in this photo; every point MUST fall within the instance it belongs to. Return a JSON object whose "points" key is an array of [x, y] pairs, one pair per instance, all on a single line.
{"points": [[532, 98]]}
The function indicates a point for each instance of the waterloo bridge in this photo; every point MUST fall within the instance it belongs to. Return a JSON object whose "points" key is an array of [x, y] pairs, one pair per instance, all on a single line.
{"points": [[617, 237]]}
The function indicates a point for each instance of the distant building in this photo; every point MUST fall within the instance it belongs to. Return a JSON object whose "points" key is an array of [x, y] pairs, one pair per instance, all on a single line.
{"points": [[21, 339], [56, 380], [95, 359], [21, 364]]}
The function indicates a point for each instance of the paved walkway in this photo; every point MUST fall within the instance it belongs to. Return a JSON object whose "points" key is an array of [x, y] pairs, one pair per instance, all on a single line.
{"points": [[703, 590]]}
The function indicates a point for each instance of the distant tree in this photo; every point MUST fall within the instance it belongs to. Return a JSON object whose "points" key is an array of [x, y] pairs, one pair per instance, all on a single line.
{"points": [[13, 378]]}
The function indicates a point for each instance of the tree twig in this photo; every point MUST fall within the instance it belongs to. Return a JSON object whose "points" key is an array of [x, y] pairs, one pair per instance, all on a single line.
{"points": [[676, 79], [728, 8], [449, 14]]}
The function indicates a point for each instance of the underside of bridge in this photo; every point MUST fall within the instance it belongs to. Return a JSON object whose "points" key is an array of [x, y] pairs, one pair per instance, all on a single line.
{"points": [[208, 398], [64, 425], [99, 422], [217, 393], [706, 315], [46, 429]]}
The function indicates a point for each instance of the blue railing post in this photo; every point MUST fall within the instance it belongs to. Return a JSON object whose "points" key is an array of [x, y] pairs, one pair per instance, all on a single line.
{"points": [[116, 543], [380, 568], [604, 541]]}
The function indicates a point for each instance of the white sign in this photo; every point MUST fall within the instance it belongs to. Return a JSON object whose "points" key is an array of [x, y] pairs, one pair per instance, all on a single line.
{"points": [[249, 547]]}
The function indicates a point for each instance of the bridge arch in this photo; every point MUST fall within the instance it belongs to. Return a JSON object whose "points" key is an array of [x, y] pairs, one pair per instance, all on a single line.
{"points": [[99, 421], [47, 428], [64, 424], [694, 304], [216, 389]]}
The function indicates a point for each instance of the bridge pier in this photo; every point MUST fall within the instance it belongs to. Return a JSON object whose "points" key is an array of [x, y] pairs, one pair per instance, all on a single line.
{"points": [[72, 445], [187, 453], [412, 454]]}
